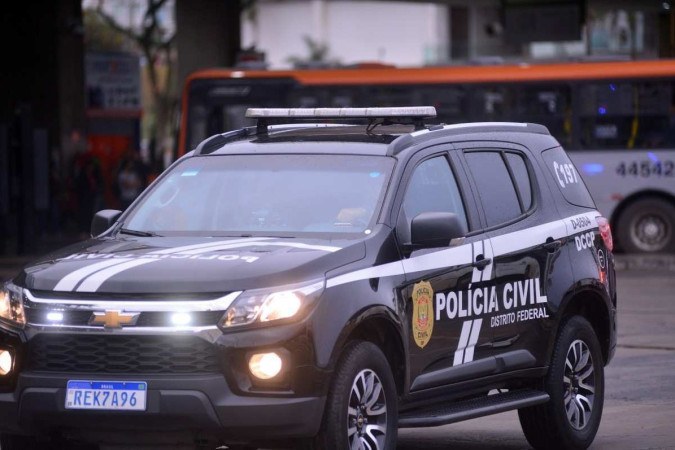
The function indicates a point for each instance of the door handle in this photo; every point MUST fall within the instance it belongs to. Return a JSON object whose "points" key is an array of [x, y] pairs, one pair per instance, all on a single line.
{"points": [[481, 262], [552, 245]]}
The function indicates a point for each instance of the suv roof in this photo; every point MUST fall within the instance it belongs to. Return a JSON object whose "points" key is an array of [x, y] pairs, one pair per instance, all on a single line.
{"points": [[389, 133]]}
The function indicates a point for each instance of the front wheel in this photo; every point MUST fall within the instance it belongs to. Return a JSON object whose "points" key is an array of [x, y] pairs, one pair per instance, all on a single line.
{"points": [[16, 442], [361, 408], [575, 382]]}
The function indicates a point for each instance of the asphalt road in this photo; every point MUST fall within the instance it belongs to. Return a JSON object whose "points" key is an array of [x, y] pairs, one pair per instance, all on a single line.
{"points": [[639, 408]]}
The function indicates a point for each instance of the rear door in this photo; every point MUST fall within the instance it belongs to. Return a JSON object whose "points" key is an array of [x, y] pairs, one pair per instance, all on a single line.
{"points": [[525, 235]]}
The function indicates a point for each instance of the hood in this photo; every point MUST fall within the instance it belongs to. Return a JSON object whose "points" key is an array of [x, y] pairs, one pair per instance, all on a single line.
{"points": [[186, 265]]}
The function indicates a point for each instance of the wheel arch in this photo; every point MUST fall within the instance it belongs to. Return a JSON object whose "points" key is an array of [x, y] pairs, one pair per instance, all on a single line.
{"points": [[377, 324], [592, 305]]}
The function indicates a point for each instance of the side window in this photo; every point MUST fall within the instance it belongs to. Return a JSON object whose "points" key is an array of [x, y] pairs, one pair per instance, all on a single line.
{"points": [[567, 178], [432, 188], [522, 179], [495, 187]]}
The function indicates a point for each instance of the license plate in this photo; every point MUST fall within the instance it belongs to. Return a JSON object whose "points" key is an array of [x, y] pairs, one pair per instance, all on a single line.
{"points": [[107, 395]]}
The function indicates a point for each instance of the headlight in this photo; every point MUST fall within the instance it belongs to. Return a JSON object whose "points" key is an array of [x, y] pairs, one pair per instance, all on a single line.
{"points": [[267, 305], [11, 304]]}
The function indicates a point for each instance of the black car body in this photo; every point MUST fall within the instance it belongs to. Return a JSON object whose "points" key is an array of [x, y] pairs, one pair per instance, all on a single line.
{"points": [[482, 244]]}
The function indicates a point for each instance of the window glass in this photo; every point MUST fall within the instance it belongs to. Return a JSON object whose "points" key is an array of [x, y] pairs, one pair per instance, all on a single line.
{"points": [[546, 104], [451, 101], [522, 178], [495, 187], [626, 115], [263, 195], [567, 178], [432, 188], [219, 105]]}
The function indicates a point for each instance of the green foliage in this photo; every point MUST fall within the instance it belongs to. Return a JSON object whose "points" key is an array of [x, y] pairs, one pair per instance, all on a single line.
{"points": [[317, 55], [101, 37]]}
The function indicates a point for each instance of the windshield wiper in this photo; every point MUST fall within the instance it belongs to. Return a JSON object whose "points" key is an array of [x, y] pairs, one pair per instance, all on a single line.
{"points": [[139, 233]]}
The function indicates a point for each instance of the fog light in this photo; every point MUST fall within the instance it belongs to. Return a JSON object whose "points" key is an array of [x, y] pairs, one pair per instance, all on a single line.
{"points": [[265, 365], [181, 319], [5, 362]]}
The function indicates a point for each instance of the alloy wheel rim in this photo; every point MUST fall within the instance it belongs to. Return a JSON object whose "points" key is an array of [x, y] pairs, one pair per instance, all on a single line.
{"points": [[579, 385], [367, 412]]}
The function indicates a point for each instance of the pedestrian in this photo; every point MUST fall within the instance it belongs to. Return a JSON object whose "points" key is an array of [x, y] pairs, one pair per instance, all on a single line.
{"points": [[131, 180], [89, 185]]}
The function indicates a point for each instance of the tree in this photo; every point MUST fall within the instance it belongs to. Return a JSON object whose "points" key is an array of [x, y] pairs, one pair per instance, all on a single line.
{"points": [[156, 44], [317, 55]]}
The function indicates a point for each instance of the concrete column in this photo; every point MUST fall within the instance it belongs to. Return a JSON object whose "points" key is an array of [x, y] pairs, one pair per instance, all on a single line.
{"points": [[208, 35], [70, 76]]}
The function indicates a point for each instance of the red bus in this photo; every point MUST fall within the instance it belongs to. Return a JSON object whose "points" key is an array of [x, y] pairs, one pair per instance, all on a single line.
{"points": [[617, 119]]}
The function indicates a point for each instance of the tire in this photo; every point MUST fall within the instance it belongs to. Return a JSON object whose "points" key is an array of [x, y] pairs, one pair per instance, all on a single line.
{"points": [[647, 226], [362, 368], [16, 442], [549, 426]]}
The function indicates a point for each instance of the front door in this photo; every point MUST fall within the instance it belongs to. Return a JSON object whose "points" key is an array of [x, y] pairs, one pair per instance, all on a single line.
{"points": [[445, 292]]}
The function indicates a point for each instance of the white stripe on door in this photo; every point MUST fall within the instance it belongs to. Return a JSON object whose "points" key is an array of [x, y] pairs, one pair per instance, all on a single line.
{"points": [[467, 341]]}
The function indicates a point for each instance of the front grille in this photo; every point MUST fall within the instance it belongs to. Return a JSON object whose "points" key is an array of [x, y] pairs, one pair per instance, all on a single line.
{"points": [[146, 319], [121, 354]]}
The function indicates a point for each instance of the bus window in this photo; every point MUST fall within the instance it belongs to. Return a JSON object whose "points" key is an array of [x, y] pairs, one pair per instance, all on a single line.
{"points": [[451, 102], [492, 103], [549, 105], [308, 97], [216, 106], [625, 115], [393, 95]]}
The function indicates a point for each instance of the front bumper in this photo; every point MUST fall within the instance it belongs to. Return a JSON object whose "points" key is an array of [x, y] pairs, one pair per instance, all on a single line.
{"points": [[197, 404], [197, 377]]}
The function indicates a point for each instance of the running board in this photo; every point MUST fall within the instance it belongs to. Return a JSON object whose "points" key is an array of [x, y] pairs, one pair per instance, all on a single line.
{"points": [[435, 415]]}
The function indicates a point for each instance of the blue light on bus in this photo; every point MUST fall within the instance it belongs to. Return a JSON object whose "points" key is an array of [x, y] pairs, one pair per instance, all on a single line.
{"points": [[602, 110], [612, 87], [653, 157], [593, 168]]}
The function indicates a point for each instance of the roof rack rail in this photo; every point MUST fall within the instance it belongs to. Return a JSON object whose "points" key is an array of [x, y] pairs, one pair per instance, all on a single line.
{"points": [[212, 143], [432, 132], [407, 114]]}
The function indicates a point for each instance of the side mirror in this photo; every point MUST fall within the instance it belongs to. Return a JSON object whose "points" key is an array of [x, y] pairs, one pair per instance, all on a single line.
{"points": [[103, 220], [435, 229]]}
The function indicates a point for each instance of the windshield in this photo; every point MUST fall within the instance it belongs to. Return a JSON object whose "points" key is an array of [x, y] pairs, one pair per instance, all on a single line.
{"points": [[259, 195]]}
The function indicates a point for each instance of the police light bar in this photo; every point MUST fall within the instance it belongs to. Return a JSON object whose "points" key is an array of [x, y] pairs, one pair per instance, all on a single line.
{"points": [[412, 112]]}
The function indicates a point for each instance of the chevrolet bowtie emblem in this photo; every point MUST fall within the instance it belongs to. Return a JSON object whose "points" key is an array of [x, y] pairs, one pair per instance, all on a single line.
{"points": [[113, 319]]}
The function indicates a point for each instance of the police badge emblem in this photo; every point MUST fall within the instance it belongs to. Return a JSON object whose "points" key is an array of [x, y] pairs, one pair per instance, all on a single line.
{"points": [[423, 313]]}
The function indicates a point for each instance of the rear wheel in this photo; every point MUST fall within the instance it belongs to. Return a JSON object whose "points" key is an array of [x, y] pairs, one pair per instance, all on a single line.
{"points": [[647, 226], [361, 408], [575, 382]]}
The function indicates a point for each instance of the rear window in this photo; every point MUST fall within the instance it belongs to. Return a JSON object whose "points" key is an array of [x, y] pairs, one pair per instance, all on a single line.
{"points": [[567, 178], [495, 186]]}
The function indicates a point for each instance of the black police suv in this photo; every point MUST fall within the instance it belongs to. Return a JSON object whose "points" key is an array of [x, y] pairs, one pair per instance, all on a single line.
{"points": [[320, 286]]}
